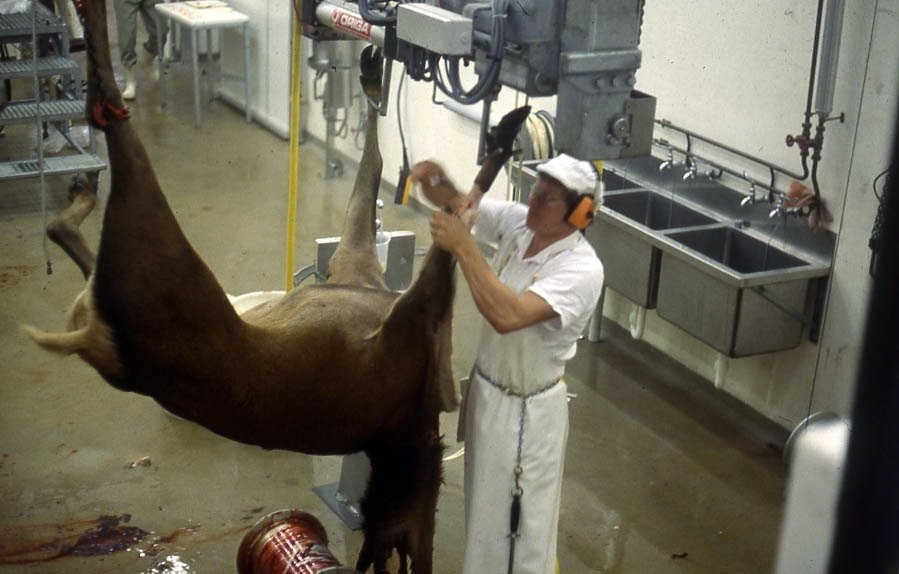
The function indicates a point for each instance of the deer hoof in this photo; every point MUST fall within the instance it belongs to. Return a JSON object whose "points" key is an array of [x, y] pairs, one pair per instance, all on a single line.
{"points": [[503, 134], [371, 65], [83, 184]]}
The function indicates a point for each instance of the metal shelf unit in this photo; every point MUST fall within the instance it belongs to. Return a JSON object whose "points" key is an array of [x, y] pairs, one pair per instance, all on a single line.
{"points": [[56, 113]]}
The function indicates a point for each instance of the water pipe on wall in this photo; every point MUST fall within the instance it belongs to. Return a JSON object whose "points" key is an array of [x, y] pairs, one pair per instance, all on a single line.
{"points": [[822, 79], [722, 362], [830, 55], [594, 328], [823, 89], [637, 321]]}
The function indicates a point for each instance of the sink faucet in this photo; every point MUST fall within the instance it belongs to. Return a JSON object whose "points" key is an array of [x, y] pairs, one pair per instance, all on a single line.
{"points": [[778, 207], [751, 198], [669, 163], [690, 163], [693, 171]]}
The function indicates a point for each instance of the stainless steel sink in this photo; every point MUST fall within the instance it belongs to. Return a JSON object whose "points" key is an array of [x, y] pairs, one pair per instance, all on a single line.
{"points": [[736, 250], [654, 210], [722, 271], [622, 238], [613, 181], [738, 257], [735, 292]]}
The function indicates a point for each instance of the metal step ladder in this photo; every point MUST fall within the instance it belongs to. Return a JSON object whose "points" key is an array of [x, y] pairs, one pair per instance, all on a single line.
{"points": [[55, 112]]}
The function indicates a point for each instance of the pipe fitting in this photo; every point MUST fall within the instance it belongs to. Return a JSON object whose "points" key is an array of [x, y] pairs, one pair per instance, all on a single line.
{"points": [[804, 143]]}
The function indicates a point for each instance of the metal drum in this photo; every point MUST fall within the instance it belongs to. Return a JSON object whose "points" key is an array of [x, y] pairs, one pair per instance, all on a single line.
{"points": [[288, 542]]}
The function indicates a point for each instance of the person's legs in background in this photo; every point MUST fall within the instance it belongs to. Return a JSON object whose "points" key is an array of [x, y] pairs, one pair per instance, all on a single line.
{"points": [[126, 24], [126, 21], [153, 23]]}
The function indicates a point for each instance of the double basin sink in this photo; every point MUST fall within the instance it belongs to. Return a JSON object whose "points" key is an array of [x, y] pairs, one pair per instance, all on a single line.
{"points": [[732, 283]]}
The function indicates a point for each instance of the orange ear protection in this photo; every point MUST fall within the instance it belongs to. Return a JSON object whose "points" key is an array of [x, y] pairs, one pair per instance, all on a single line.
{"points": [[580, 214]]}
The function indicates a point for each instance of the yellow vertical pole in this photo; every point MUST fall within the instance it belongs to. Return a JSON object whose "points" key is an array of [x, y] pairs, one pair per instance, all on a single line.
{"points": [[294, 147]]}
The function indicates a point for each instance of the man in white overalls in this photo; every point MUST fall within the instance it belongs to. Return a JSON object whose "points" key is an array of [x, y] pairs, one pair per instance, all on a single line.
{"points": [[536, 297]]}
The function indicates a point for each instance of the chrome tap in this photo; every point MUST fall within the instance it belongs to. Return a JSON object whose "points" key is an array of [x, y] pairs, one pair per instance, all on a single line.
{"points": [[778, 207], [751, 198], [669, 163], [690, 163]]}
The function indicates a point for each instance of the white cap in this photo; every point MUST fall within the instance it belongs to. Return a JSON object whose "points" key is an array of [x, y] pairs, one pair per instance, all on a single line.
{"points": [[576, 175]]}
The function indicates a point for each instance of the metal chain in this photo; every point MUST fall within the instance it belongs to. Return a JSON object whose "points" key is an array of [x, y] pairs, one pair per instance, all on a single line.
{"points": [[876, 241], [517, 491], [518, 471], [39, 122]]}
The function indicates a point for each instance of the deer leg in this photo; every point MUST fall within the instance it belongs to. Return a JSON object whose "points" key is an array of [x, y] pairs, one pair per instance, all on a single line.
{"points": [[420, 535], [64, 230], [354, 262], [440, 190], [365, 559], [400, 502], [104, 101], [403, 552], [139, 285], [381, 559], [500, 140]]}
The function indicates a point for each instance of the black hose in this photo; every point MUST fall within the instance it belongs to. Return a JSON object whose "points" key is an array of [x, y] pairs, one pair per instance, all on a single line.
{"points": [[452, 84], [376, 19]]}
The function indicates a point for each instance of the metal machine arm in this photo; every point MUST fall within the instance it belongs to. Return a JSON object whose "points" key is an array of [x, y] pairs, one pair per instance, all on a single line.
{"points": [[585, 52]]}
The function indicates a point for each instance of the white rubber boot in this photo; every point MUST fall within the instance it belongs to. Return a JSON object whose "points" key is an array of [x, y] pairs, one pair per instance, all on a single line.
{"points": [[130, 91], [154, 69]]}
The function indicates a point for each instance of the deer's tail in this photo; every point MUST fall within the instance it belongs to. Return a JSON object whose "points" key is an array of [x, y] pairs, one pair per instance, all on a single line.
{"points": [[60, 343]]}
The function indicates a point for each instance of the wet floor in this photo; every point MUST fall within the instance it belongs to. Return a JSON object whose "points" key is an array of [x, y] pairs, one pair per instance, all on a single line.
{"points": [[664, 475]]}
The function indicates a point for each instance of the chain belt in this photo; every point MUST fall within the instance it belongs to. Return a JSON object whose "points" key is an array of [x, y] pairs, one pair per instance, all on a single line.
{"points": [[512, 392]]}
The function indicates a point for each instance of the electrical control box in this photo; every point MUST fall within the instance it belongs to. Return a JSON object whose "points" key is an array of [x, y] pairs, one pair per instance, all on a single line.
{"points": [[434, 29]]}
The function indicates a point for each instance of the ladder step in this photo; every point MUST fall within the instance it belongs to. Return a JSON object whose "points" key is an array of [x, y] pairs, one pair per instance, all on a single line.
{"points": [[46, 67], [66, 72], [17, 26], [50, 111], [52, 166]]}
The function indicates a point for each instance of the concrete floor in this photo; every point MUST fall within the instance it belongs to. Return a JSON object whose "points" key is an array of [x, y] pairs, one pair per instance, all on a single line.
{"points": [[664, 475]]}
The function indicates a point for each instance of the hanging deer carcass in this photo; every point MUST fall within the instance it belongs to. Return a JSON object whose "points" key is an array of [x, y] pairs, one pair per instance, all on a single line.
{"points": [[154, 320]]}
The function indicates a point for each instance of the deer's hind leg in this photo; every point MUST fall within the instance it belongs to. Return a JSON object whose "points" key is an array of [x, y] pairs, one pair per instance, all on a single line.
{"points": [[355, 262], [65, 229], [104, 100]]}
